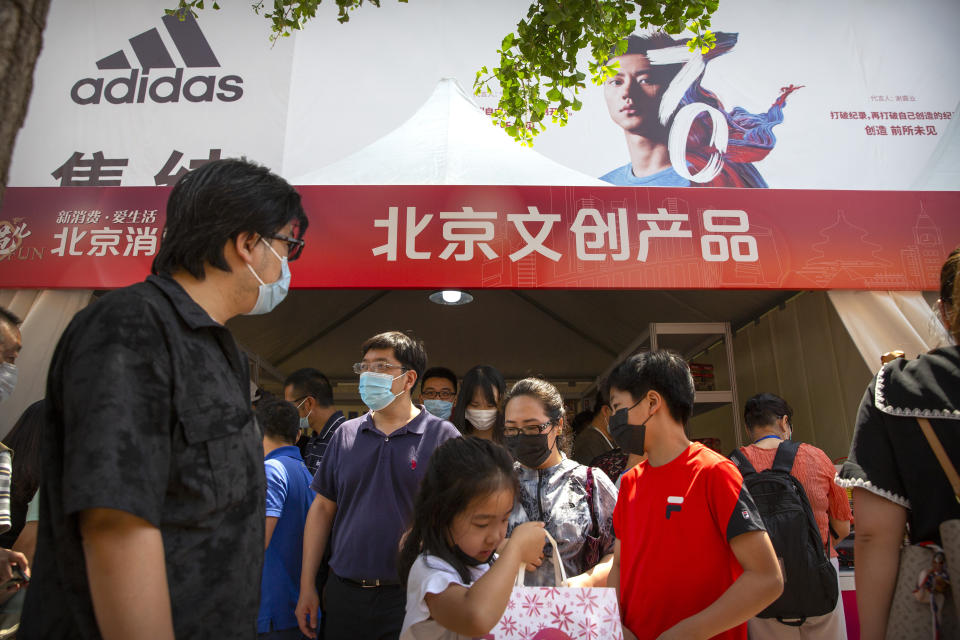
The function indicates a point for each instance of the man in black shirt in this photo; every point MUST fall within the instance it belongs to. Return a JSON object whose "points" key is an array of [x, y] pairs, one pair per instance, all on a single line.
{"points": [[310, 391], [152, 509]]}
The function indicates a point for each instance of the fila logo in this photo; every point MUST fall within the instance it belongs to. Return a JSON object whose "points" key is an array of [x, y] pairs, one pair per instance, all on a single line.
{"points": [[673, 504], [152, 53]]}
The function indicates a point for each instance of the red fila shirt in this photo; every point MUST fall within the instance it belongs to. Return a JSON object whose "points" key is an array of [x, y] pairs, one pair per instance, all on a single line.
{"points": [[674, 523]]}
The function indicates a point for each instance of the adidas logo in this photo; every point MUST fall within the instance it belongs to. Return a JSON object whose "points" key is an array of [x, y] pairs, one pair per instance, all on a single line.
{"points": [[152, 53]]}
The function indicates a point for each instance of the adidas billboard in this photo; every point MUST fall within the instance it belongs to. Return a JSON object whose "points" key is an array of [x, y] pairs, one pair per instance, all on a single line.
{"points": [[153, 54]]}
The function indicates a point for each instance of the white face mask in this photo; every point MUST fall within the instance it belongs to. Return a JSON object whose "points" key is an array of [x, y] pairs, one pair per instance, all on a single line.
{"points": [[482, 419], [8, 379], [270, 295]]}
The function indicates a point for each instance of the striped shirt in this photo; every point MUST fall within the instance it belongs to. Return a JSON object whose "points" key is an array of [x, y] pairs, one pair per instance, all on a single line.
{"points": [[6, 469]]}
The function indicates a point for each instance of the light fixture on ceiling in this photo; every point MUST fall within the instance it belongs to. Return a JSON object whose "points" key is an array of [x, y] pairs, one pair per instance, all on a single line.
{"points": [[451, 297]]}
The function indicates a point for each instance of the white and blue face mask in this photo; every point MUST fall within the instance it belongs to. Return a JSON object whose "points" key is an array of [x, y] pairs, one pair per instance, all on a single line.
{"points": [[376, 389], [270, 295], [304, 420], [440, 408], [8, 379]]}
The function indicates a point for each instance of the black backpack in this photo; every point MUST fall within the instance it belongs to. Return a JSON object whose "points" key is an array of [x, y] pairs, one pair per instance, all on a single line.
{"points": [[809, 579]]}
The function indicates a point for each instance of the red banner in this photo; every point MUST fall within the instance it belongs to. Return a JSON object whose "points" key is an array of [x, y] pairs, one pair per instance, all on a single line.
{"points": [[518, 237]]}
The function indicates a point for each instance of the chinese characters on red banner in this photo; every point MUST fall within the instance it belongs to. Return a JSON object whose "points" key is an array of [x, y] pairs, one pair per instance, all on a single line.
{"points": [[467, 234]]}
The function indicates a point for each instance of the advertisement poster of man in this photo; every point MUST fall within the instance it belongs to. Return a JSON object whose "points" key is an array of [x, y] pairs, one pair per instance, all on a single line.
{"points": [[812, 95], [677, 133]]}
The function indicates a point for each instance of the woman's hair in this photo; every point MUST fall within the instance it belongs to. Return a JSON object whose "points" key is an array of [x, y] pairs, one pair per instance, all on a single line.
{"points": [[551, 400], [764, 409], [24, 439], [460, 471], [486, 378], [950, 292]]}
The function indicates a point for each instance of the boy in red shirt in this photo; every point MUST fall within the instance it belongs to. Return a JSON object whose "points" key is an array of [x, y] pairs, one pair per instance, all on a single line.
{"points": [[692, 559]]}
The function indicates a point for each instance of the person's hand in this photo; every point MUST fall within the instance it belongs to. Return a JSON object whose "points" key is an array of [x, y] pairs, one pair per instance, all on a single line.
{"points": [[528, 539], [582, 580], [306, 612], [9, 558]]}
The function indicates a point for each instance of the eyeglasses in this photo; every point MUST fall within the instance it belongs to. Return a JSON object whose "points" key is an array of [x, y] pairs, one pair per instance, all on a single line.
{"points": [[376, 367], [294, 246], [529, 430], [443, 394]]}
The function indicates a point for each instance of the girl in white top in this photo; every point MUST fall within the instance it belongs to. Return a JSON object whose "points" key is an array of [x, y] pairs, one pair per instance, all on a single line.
{"points": [[456, 587]]}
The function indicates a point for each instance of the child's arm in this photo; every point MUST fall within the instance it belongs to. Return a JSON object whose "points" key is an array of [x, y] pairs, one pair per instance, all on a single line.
{"points": [[758, 586], [473, 611]]}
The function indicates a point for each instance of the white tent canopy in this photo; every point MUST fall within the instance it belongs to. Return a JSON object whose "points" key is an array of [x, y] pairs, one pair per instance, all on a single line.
{"points": [[449, 140]]}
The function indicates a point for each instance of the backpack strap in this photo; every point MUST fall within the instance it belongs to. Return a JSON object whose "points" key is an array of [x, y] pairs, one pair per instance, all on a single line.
{"points": [[786, 453], [742, 463]]}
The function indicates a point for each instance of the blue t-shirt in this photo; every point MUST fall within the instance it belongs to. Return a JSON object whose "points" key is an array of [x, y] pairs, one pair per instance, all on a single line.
{"points": [[623, 177], [374, 478], [288, 498]]}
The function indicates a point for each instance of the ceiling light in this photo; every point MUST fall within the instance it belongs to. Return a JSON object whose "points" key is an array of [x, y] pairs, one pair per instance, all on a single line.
{"points": [[451, 297]]}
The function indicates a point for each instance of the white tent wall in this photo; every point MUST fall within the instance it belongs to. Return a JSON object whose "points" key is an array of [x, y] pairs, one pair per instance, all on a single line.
{"points": [[803, 353], [882, 321], [45, 315]]}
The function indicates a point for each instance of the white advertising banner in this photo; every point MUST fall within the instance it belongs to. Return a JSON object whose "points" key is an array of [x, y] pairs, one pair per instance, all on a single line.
{"points": [[857, 94], [125, 95]]}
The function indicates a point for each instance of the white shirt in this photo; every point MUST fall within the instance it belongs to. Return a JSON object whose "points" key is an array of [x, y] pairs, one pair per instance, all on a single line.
{"points": [[430, 574]]}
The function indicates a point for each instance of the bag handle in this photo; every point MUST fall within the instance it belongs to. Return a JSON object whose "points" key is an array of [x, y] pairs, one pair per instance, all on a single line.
{"points": [[591, 486], [941, 455], [559, 573]]}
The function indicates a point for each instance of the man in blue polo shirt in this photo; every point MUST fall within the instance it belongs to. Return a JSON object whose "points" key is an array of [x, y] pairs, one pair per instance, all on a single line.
{"points": [[365, 485], [288, 499]]}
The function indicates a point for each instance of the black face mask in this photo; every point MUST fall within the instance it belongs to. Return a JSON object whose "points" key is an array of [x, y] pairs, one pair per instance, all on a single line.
{"points": [[530, 451], [629, 437], [468, 560]]}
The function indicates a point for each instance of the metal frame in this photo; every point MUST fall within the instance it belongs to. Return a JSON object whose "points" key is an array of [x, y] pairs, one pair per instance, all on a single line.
{"points": [[708, 328]]}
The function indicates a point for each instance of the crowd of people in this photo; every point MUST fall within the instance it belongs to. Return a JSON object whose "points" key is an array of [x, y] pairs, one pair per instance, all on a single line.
{"points": [[154, 496]]}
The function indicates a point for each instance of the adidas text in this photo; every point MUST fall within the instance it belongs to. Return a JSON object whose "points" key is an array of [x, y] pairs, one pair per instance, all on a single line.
{"points": [[168, 88]]}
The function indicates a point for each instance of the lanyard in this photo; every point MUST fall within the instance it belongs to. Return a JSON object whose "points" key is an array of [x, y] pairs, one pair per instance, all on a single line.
{"points": [[767, 438], [605, 438]]}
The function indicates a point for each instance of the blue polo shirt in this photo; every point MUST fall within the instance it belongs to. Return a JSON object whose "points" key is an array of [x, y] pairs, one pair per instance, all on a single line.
{"points": [[288, 498], [373, 478]]}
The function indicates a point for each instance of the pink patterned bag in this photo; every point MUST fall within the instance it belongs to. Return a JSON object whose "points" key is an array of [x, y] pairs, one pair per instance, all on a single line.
{"points": [[559, 613]]}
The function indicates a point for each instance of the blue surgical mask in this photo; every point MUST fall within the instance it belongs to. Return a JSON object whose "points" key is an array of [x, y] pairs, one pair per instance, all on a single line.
{"points": [[270, 295], [440, 408], [304, 421], [376, 389]]}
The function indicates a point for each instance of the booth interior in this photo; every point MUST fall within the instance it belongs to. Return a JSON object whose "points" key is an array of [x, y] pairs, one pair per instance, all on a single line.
{"points": [[817, 349], [790, 343]]}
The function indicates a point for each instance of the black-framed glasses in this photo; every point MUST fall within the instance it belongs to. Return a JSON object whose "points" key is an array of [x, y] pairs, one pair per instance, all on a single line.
{"points": [[294, 245], [528, 430], [376, 367], [443, 394]]}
